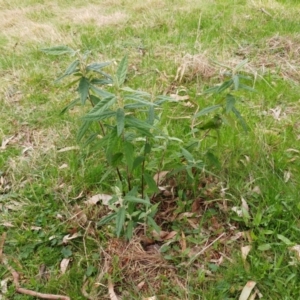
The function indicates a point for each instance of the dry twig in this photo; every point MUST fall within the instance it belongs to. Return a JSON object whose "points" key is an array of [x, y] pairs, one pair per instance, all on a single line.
{"points": [[16, 276]]}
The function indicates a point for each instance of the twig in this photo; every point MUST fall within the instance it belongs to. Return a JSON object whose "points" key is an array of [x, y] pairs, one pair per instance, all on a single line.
{"points": [[16, 276], [204, 249]]}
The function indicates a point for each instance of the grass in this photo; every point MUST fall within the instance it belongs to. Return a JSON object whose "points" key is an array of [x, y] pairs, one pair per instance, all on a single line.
{"points": [[42, 190]]}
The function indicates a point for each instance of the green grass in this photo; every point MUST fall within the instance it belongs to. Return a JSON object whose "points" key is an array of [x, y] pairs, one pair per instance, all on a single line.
{"points": [[39, 186]]}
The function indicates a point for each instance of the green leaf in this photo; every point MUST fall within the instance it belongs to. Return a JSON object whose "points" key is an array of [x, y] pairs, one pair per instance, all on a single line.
{"points": [[264, 247], [132, 199], [66, 252], [120, 220], [151, 183], [82, 130], [120, 116], [70, 106], [101, 81], [151, 115], [101, 106], [122, 70], [214, 123], [115, 159], [129, 230], [107, 219], [99, 92], [187, 155], [97, 66], [246, 87], [225, 85], [136, 92], [99, 117], [139, 125], [140, 100], [285, 240], [207, 110], [236, 82], [230, 101], [153, 224], [95, 100], [59, 50], [83, 89], [240, 118], [129, 155], [138, 161], [240, 65], [72, 68], [89, 271], [147, 149]]}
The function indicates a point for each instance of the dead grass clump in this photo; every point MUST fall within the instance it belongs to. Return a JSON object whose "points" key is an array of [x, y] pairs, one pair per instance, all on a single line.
{"points": [[14, 23], [138, 266], [93, 14], [191, 66], [278, 54]]}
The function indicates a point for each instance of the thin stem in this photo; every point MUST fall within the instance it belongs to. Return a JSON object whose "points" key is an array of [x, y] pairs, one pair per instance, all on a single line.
{"points": [[142, 182]]}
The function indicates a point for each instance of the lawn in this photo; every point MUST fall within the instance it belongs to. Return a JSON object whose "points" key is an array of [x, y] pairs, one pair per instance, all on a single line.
{"points": [[228, 199]]}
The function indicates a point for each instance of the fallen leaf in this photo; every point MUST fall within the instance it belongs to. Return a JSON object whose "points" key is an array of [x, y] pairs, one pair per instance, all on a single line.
{"points": [[35, 228], [180, 98], [111, 292], [5, 142], [150, 298], [245, 251], [79, 196], [237, 210], [7, 224], [64, 265], [256, 190], [68, 149], [140, 285], [96, 198], [296, 249], [163, 235], [182, 242], [245, 205], [69, 237], [287, 176], [63, 166], [247, 290], [3, 286], [276, 113], [160, 177]]}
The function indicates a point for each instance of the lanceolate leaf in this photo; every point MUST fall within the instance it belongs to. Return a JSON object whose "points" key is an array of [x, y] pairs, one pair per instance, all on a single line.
{"points": [[83, 89], [187, 155], [97, 66], [137, 162], [106, 219], [151, 115], [101, 106], [70, 105], [72, 68], [120, 115], [129, 155], [99, 92], [207, 110], [120, 220], [150, 182], [140, 100], [99, 117], [83, 129], [230, 101], [136, 200], [58, 50], [240, 118], [236, 82], [122, 70]]}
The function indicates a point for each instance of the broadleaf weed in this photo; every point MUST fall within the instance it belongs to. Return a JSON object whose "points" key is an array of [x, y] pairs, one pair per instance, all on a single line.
{"points": [[129, 131]]}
